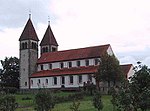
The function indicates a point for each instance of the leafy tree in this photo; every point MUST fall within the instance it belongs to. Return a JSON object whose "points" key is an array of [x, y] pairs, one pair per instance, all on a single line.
{"points": [[10, 72], [140, 87], [97, 102], [135, 94], [109, 70], [44, 101]]}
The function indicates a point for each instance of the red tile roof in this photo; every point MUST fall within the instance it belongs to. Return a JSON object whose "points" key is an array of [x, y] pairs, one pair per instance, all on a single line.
{"points": [[126, 68], [74, 54], [75, 71], [66, 71], [48, 38], [29, 32]]}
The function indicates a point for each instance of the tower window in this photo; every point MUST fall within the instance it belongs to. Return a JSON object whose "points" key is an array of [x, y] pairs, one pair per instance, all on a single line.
{"points": [[34, 45], [53, 49], [87, 62], [25, 83], [25, 46], [78, 63], [45, 49]]}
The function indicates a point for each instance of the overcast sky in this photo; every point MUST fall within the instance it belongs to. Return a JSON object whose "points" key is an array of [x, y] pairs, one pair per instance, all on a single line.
{"points": [[125, 24]]}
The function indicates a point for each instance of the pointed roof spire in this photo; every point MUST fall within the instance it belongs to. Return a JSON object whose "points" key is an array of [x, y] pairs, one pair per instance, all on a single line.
{"points": [[48, 38], [48, 20], [29, 14], [29, 32]]}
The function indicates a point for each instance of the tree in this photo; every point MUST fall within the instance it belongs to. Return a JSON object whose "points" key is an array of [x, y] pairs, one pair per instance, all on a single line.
{"points": [[97, 102], [44, 101], [140, 87], [10, 72], [135, 94], [109, 70]]}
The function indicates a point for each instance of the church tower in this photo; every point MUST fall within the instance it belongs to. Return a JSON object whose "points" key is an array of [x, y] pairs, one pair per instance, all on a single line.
{"points": [[28, 53], [48, 43]]}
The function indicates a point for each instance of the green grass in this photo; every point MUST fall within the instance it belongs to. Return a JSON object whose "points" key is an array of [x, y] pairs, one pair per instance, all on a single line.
{"points": [[85, 104]]}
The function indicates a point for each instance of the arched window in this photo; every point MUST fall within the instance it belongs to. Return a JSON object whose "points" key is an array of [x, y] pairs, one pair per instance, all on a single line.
{"points": [[25, 46], [32, 45], [46, 49]]}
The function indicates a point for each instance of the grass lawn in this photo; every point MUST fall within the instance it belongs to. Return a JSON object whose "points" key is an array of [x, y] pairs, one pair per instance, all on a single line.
{"points": [[85, 104]]}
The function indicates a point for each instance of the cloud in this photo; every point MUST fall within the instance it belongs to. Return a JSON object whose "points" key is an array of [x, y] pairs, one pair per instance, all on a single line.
{"points": [[81, 23], [13, 13]]}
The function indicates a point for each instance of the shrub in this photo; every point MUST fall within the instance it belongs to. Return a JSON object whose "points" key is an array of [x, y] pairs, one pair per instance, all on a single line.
{"points": [[97, 102], [44, 101], [75, 106], [8, 103]]}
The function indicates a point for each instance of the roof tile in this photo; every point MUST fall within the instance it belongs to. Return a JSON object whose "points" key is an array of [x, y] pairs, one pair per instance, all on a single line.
{"points": [[29, 32], [74, 54], [48, 38]]}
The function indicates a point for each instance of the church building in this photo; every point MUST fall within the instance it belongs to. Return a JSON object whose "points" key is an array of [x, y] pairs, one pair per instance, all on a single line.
{"points": [[58, 69]]}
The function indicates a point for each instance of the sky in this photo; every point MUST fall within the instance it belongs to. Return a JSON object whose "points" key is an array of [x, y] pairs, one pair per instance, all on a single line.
{"points": [[124, 24]]}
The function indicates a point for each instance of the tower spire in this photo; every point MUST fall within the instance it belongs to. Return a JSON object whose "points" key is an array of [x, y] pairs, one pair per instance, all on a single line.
{"points": [[29, 14], [48, 20]]}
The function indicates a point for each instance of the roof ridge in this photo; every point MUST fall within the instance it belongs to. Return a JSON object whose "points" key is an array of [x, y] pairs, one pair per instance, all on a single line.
{"points": [[80, 48]]}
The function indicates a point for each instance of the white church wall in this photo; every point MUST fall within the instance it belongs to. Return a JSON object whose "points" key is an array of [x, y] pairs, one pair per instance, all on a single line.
{"points": [[56, 65], [110, 51], [67, 84]]}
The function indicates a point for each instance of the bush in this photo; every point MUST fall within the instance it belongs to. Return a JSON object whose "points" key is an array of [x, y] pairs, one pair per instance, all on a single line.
{"points": [[44, 101], [75, 106], [8, 103], [97, 102]]}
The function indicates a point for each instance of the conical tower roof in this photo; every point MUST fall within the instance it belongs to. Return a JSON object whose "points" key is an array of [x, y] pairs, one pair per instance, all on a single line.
{"points": [[48, 38], [29, 32]]}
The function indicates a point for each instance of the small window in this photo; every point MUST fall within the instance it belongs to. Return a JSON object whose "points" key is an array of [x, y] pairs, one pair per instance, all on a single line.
{"points": [[31, 82], [55, 80], [87, 62], [71, 79], [90, 78], [78, 63], [39, 81], [80, 78], [96, 61], [25, 45], [41, 67], [25, 83], [53, 49], [70, 64], [46, 49], [61, 65], [46, 81], [62, 80], [50, 66]]}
